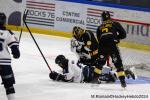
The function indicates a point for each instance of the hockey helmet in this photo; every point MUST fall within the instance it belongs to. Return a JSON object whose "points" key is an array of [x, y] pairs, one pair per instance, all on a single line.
{"points": [[2, 19], [77, 32], [105, 15], [59, 59]]}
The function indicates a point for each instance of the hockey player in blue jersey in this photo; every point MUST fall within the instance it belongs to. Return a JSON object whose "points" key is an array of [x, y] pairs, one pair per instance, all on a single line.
{"points": [[71, 72], [7, 39]]}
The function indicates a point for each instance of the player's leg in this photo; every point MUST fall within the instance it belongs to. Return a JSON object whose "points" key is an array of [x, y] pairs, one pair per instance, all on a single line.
{"points": [[108, 60], [88, 74], [8, 80], [100, 62], [116, 59], [106, 75]]}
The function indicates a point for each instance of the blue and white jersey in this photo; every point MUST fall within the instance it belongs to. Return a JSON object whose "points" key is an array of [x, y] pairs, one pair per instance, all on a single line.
{"points": [[7, 39], [73, 73]]}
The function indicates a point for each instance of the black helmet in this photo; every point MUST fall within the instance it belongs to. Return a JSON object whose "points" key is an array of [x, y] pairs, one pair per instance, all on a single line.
{"points": [[59, 59], [77, 32], [105, 15], [2, 19]]}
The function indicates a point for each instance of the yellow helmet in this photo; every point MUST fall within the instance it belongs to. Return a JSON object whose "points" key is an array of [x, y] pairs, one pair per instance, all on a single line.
{"points": [[77, 32]]}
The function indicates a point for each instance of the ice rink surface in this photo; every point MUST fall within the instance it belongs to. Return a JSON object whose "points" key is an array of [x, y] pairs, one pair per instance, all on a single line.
{"points": [[33, 83]]}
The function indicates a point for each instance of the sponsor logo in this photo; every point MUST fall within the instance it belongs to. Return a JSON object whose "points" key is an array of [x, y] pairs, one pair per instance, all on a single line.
{"points": [[42, 14], [12, 12], [70, 17], [93, 19], [138, 30], [15, 18]]}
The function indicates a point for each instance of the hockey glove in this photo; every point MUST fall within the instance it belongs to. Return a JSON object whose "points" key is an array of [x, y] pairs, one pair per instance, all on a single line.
{"points": [[15, 51], [117, 41], [56, 76]]}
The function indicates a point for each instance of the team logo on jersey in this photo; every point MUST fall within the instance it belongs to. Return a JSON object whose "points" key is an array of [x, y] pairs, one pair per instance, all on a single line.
{"points": [[89, 43]]}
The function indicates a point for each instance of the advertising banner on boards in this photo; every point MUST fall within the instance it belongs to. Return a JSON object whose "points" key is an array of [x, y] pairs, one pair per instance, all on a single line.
{"points": [[63, 16], [13, 10]]}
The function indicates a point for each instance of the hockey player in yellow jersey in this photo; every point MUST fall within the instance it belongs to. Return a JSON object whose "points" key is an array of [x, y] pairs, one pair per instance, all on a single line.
{"points": [[109, 34], [85, 45]]}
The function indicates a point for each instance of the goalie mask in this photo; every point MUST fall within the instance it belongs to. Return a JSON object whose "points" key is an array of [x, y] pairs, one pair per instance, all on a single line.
{"points": [[105, 15], [78, 32], [2, 19]]}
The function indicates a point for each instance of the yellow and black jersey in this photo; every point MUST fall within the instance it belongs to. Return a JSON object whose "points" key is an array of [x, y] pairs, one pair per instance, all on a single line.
{"points": [[90, 42], [109, 31]]}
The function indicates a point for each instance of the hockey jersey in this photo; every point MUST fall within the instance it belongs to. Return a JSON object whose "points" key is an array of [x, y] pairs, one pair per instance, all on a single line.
{"points": [[8, 39], [76, 47], [73, 72], [86, 48]]}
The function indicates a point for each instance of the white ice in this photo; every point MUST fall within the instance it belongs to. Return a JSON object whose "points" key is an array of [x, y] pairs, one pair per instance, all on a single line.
{"points": [[33, 83]]}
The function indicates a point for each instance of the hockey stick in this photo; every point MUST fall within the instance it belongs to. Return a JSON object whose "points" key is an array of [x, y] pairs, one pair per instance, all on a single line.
{"points": [[24, 20], [22, 26], [20, 35]]}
